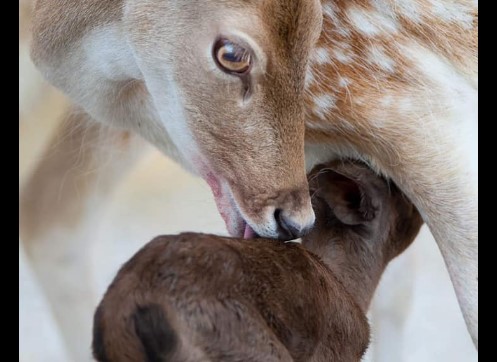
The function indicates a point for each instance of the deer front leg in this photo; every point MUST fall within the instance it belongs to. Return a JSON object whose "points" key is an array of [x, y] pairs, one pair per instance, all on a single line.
{"points": [[60, 208], [436, 167], [429, 150], [456, 231]]}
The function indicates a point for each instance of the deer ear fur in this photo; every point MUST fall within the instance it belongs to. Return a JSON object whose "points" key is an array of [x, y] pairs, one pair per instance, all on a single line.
{"points": [[349, 196]]}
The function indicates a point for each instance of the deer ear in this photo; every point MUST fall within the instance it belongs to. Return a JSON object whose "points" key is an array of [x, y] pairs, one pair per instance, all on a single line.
{"points": [[349, 195]]}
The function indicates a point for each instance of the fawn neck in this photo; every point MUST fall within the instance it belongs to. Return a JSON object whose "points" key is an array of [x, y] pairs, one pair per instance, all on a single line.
{"points": [[354, 263]]}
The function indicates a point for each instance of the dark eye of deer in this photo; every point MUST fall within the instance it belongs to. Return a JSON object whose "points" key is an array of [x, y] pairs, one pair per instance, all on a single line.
{"points": [[231, 57]]}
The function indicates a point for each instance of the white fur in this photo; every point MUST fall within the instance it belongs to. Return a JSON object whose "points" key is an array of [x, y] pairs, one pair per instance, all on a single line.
{"points": [[386, 101], [161, 115], [410, 9], [378, 57], [321, 56], [309, 77], [371, 23], [108, 54], [342, 55], [455, 11], [459, 102], [323, 105], [344, 82], [329, 10], [405, 105]]}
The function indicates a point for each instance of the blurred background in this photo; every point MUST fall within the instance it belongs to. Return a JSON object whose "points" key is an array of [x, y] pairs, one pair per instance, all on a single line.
{"points": [[415, 316]]}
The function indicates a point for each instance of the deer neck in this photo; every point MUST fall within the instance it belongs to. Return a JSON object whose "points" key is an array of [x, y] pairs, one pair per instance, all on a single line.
{"points": [[353, 263]]}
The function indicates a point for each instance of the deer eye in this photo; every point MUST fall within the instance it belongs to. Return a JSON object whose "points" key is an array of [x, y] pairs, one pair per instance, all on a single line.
{"points": [[231, 57]]}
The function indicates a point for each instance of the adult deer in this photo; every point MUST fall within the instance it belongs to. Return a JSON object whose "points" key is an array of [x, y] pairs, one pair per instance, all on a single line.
{"points": [[247, 94]]}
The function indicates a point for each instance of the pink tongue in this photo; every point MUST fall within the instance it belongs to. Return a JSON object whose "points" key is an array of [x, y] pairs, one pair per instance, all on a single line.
{"points": [[249, 233]]}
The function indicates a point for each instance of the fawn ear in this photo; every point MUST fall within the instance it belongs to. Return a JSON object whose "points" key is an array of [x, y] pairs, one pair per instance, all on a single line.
{"points": [[349, 190], [158, 337]]}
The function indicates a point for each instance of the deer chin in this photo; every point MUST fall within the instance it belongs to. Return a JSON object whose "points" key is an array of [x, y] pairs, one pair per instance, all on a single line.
{"points": [[236, 224]]}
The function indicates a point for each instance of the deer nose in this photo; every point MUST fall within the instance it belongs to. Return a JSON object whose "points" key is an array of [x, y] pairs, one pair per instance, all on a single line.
{"points": [[288, 228]]}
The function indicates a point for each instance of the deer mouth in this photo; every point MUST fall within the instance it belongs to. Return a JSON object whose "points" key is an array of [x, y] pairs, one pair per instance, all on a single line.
{"points": [[249, 233], [229, 210]]}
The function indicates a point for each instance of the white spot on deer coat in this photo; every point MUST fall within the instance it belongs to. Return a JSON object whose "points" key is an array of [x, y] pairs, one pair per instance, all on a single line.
{"points": [[378, 57], [342, 56], [343, 82], [309, 77], [371, 22], [323, 104], [321, 56]]}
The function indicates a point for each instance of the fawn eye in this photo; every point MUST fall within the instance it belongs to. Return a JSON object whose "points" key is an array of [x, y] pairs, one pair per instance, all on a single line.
{"points": [[232, 58]]}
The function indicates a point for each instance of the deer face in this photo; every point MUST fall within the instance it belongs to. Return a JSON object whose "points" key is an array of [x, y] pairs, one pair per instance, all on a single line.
{"points": [[227, 79], [363, 221]]}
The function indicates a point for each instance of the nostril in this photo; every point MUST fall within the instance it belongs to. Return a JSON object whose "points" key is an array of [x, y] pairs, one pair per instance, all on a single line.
{"points": [[287, 230]]}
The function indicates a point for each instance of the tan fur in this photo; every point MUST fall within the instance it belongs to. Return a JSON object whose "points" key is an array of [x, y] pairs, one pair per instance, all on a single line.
{"points": [[418, 145], [58, 25], [395, 84]]}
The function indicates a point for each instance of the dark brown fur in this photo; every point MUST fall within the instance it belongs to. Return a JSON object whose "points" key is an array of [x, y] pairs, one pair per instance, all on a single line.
{"points": [[198, 297]]}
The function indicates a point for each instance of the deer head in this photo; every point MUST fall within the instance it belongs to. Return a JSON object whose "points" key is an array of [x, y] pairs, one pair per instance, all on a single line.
{"points": [[227, 79], [363, 221]]}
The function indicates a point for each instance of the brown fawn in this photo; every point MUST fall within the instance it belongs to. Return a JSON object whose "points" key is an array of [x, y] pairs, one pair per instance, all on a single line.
{"points": [[199, 297]]}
